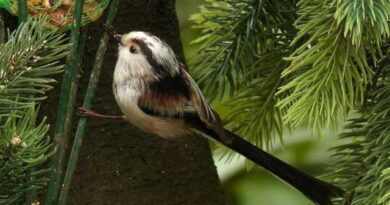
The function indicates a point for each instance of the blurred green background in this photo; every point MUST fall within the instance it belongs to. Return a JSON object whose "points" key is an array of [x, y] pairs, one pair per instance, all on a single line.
{"points": [[301, 148]]}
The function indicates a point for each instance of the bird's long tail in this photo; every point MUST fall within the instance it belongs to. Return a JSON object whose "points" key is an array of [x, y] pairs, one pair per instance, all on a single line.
{"points": [[320, 192]]}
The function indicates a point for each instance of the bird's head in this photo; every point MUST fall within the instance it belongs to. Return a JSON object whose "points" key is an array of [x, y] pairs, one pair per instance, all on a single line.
{"points": [[145, 55]]}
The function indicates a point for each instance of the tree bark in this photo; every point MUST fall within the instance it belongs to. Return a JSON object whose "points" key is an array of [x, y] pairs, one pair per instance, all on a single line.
{"points": [[119, 164]]}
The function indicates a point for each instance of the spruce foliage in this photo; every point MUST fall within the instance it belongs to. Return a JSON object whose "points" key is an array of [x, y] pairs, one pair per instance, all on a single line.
{"points": [[243, 44], [305, 63], [27, 60], [363, 165]]}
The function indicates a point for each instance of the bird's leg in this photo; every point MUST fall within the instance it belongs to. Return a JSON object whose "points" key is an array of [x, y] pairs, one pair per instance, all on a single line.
{"points": [[84, 112]]}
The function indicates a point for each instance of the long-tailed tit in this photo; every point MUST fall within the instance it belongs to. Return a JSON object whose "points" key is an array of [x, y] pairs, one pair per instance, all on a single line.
{"points": [[156, 94]]}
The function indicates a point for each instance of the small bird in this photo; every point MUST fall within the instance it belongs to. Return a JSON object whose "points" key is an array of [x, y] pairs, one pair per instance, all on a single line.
{"points": [[157, 95]]}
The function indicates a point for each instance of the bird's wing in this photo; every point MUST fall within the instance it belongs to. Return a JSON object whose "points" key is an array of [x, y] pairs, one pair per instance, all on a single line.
{"points": [[199, 102], [167, 97], [179, 97]]}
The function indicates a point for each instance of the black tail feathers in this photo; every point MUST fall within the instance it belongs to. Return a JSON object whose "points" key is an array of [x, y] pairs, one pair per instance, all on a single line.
{"points": [[320, 192]]}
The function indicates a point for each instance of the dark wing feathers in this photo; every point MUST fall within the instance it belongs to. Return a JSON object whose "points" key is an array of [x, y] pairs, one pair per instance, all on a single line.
{"points": [[205, 112], [185, 115], [178, 97]]}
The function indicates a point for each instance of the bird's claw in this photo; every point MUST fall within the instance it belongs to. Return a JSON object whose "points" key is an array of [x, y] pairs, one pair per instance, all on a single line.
{"points": [[110, 29]]}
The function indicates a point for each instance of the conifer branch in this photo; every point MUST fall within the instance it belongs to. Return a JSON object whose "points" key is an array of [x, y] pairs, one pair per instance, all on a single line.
{"points": [[329, 70], [362, 164], [27, 60], [233, 33], [24, 148], [242, 52]]}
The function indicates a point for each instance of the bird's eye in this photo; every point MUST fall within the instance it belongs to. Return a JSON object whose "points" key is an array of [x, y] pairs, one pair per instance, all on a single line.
{"points": [[133, 49]]}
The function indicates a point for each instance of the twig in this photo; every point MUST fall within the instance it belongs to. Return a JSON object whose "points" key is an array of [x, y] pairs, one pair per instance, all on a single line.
{"points": [[65, 106], [22, 10], [2, 27], [95, 74]]}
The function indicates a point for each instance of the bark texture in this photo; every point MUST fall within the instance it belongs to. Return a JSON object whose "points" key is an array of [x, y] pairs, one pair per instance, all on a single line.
{"points": [[120, 165]]}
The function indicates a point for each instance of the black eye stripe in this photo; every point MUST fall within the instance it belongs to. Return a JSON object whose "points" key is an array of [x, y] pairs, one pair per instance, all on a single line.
{"points": [[147, 52], [144, 48]]}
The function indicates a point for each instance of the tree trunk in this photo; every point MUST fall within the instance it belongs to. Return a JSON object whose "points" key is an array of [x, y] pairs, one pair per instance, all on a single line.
{"points": [[120, 165]]}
